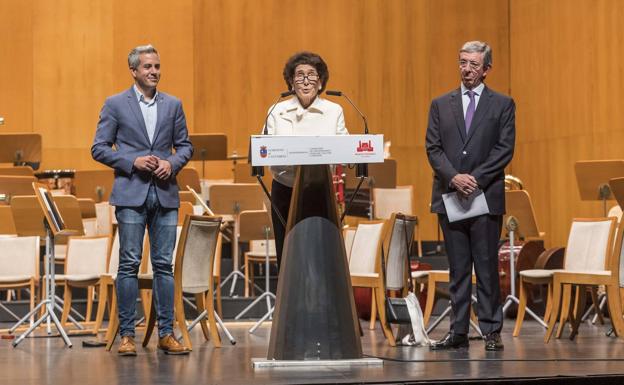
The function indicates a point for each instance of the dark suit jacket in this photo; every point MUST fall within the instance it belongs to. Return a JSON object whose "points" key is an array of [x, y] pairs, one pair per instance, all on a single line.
{"points": [[484, 153], [121, 124]]}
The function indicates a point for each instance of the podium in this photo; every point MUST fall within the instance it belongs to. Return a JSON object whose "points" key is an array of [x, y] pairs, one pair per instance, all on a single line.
{"points": [[314, 319]]}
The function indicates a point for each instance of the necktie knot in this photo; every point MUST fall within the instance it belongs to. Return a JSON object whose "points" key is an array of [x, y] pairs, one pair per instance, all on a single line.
{"points": [[471, 94]]}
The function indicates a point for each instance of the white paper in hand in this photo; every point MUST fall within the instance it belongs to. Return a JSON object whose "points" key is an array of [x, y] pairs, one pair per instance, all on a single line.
{"points": [[459, 207]]}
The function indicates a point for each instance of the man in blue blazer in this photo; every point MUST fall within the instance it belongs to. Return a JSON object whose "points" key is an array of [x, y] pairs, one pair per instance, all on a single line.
{"points": [[470, 140], [136, 135]]}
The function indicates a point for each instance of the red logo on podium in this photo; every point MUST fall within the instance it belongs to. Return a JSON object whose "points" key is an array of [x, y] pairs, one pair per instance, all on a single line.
{"points": [[365, 147], [263, 152]]}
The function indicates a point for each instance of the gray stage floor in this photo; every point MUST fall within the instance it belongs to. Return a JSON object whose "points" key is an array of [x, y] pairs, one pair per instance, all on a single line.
{"points": [[48, 361]]}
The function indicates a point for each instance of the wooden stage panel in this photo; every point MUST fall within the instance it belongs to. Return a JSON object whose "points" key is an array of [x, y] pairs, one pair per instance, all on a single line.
{"points": [[47, 361]]}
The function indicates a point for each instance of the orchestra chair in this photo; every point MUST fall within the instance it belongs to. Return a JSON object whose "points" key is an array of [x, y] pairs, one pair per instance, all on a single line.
{"points": [[192, 274], [94, 184], [365, 269], [85, 263], [11, 186], [89, 216], [104, 214], [348, 234], [188, 176], [7, 224], [17, 171], [255, 221], [19, 265], [107, 282], [387, 201], [70, 211]]}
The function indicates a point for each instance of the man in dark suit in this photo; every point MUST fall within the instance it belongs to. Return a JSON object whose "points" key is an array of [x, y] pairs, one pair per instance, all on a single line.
{"points": [[470, 139], [144, 126]]}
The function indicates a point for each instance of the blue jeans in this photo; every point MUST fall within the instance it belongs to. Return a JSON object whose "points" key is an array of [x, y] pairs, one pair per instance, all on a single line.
{"points": [[161, 224]]}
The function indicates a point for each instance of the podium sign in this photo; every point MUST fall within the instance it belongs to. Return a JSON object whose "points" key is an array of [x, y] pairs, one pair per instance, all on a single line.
{"points": [[288, 150]]}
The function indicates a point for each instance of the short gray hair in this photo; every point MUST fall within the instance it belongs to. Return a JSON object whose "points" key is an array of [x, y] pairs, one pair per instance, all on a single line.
{"points": [[481, 47], [133, 57]]}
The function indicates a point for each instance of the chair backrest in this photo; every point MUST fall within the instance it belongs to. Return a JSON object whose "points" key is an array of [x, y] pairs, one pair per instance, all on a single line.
{"points": [[17, 171], [259, 247], [253, 225], [616, 212], [104, 218], [348, 235], [7, 225], [393, 200], [186, 208], [188, 176], [19, 256], [401, 235], [27, 216], [232, 198], [94, 184], [194, 262], [590, 244], [113, 259], [366, 248], [87, 255]]}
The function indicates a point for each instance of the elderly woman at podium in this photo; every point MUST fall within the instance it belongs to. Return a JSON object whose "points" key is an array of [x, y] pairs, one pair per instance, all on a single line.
{"points": [[306, 113]]}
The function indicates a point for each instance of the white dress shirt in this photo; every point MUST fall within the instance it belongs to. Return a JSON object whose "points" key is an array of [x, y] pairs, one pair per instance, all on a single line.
{"points": [[466, 99], [322, 117], [149, 110]]}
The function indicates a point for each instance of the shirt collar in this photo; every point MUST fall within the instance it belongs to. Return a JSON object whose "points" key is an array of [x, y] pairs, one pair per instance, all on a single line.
{"points": [[478, 90], [141, 98], [316, 106]]}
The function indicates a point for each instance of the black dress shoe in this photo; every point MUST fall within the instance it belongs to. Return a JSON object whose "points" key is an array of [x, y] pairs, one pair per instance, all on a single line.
{"points": [[493, 342], [451, 341]]}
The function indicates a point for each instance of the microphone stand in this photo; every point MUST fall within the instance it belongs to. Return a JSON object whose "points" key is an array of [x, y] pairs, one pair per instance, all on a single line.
{"points": [[361, 169]]}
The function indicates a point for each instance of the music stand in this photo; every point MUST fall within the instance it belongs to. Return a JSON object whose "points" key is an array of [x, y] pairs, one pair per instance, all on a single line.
{"points": [[230, 200], [380, 175], [592, 177], [208, 147], [21, 149], [519, 221], [54, 225], [254, 225]]}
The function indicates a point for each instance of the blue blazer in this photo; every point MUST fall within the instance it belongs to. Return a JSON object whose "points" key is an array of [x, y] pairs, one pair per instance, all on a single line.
{"points": [[121, 126], [484, 152]]}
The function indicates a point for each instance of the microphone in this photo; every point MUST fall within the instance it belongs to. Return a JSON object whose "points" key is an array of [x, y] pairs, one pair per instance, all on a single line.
{"points": [[258, 170], [340, 93], [361, 169]]}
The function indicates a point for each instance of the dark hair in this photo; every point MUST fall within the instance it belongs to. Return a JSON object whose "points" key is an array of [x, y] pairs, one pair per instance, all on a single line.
{"points": [[305, 58]]}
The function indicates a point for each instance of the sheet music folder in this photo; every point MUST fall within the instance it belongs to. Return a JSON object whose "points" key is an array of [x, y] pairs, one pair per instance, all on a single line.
{"points": [[459, 207]]}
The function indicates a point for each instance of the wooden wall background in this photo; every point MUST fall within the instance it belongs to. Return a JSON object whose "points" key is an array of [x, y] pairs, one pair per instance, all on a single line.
{"points": [[559, 60]]}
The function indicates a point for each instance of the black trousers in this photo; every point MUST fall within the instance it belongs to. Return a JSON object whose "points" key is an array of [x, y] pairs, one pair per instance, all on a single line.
{"points": [[280, 199], [471, 242]]}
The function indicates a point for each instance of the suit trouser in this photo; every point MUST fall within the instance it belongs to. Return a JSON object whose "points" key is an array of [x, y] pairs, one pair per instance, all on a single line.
{"points": [[280, 198], [474, 241]]}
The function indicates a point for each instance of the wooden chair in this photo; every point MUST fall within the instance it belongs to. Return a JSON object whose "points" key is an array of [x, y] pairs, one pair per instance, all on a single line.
{"points": [[596, 264], [19, 264], [188, 176], [396, 200], [17, 171], [94, 184], [365, 269], [11, 186], [85, 264], [257, 247], [104, 218], [7, 224], [194, 261], [70, 210], [89, 216]]}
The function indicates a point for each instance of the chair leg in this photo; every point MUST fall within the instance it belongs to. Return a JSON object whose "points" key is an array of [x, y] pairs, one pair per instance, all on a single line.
{"points": [[548, 310], [556, 305], [32, 298], [146, 300], [212, 322], [67, 298], [181, 319], [379, 291], [90, 295], [596, 303], [579, 307], [217, 281], [521, 307], [373, 317], [246, 275], [565, 309], [102, 301], [430, 301], [200, 301], [150, 322], [113, 323], [615, 308]]}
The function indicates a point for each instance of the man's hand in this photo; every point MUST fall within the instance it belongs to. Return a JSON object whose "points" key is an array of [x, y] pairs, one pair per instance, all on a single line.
{"points": [[146, 163], [164, 169], [465, 184]]}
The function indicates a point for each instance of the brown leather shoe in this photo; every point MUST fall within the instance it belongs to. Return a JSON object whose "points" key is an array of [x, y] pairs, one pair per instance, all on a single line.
{"points": [[170, 345], [127, 347]]}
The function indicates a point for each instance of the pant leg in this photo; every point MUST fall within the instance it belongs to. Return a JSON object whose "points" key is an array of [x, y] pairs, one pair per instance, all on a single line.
{"points": [[162, 223], [485, 234], [280, 198], [131, 221], [457, 243]]}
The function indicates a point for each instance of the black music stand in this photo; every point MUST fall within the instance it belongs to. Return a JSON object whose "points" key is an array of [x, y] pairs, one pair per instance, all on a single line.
{"points": [[592, 177], [208, 147], [21, 149], [53, 222]]}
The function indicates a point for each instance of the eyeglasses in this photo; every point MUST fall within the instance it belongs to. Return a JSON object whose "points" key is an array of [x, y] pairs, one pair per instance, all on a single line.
{"points": [[312, 78], [472, 64]]}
